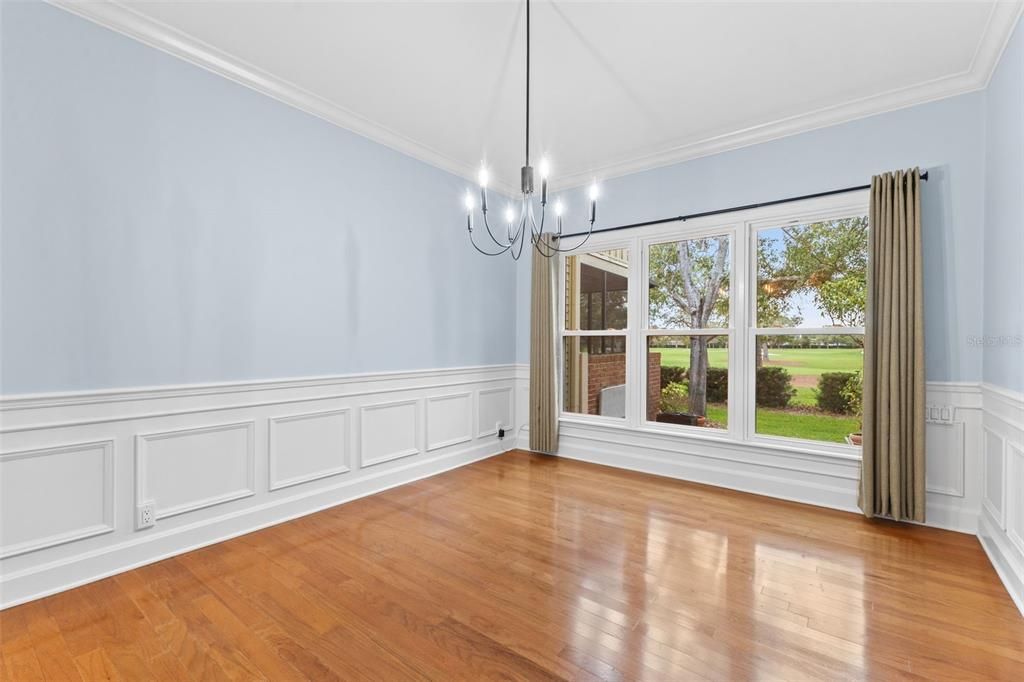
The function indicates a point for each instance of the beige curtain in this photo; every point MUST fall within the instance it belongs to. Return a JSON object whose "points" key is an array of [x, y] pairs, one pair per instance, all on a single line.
{"points": [[543, 358], [892, 474]]}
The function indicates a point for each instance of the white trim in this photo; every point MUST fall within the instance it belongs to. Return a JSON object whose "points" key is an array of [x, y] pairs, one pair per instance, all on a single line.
{"points": [[365, 462], [63, 574], [1000, 535], [31, 401], [509, 416], [88, 410], [46, 569], [961, 438], [159, 35], [437, 445], [998, 31], [1014, 468], [276, 484], [124, 20], [142, 441], [998, 515], [107, 524], [1009, 567]]}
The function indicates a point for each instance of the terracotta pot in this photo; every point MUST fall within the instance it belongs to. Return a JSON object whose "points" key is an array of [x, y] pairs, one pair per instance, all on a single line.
{"points": [[856, 438], [681, 418]]}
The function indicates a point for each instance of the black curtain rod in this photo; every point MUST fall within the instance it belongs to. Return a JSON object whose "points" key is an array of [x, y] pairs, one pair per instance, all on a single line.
{"points": [[733, 209]]}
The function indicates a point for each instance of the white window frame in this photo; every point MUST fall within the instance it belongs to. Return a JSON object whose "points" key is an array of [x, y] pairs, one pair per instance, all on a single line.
{"points": [[741, 227], [563, 333]]}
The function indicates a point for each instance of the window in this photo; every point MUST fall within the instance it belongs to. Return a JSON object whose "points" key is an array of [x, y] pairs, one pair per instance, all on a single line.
{"points": [[594, 338], [744, 327], [809, 341], [688, 331]]}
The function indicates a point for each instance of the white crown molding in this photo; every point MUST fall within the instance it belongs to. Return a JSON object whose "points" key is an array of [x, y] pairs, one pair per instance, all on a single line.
{"points": [[999, 28], [167, 39]]}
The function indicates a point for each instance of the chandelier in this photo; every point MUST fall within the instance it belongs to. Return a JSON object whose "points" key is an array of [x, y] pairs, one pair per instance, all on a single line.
{"points": [[517, 222]]}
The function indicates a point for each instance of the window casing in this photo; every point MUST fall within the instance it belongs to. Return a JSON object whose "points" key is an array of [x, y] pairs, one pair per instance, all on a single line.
{"points": [[734, 338]]}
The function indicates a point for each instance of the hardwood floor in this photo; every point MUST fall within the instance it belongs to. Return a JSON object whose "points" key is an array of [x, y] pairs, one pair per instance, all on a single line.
{"points": [[528, 567]]}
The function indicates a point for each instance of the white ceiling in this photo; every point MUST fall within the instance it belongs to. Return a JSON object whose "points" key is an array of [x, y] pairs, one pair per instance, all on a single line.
{"points": [[618, 86]]}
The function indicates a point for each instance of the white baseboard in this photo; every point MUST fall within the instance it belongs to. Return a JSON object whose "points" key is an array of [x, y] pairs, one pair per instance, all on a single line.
{"points": [[220, 461], [954, 485], [1007, 560]]}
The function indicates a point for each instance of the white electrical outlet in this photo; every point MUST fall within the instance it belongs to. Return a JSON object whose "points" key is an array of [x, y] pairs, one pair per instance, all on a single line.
{"points": [[145, 516]]}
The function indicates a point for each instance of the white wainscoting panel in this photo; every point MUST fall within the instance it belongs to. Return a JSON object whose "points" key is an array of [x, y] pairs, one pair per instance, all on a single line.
{"points": [[449, 420], [390, 431], [1015, 502], [1001, 528], [217, 460], [190, 469], [308, 447], [946, 452], [495, 406], [994, 477], [55, 495]]}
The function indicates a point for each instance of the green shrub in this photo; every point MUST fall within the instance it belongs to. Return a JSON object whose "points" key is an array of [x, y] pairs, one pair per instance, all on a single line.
{"points": [[853, 393], [674, 375], [718, 385], [774, 387], [675, 398], [831, 392]]}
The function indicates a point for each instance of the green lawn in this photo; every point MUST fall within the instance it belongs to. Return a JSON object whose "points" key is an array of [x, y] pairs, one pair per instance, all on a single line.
{"points": [[799, 361], [805, 365], [810, 425]]}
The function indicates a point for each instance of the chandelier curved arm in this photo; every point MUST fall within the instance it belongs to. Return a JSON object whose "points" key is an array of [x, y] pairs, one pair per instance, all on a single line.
{"points": [[549, 251], [503, 249], [503, 245]]}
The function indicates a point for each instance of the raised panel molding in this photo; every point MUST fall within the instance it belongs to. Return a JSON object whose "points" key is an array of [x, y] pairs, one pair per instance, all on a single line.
{"points": [[494, 405], [946, 451], [449, 420], [1015, 502], [994, 477], [318, 441], [272, 450], [189, 477], [1002, 529], [389, 431], [61, 514]]}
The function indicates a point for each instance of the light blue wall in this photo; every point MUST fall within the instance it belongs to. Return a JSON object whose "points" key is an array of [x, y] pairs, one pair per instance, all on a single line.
{"points": [[163, 225], [1003, 337], [945, 137]]}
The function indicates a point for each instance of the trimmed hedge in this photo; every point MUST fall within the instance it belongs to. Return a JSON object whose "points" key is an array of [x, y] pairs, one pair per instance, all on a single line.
{"points": [[718, 384], [774, 387], [774, 384], [674, 375], [832, 392]]}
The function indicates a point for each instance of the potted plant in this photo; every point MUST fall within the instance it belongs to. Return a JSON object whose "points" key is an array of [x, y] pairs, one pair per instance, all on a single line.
{"points": [[675, 400], [853, 395]]}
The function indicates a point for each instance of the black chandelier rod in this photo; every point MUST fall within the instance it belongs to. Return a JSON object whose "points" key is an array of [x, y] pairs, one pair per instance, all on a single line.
{"points": [[527, 83], [731, 209]]}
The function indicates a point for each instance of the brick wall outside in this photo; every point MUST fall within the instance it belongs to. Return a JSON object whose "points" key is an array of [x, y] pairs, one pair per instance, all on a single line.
{"points": [[653, 385], [609, 369]]}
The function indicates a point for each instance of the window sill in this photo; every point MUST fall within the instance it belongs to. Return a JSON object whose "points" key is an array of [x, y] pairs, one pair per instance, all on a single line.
{"points": [[811, 451]]}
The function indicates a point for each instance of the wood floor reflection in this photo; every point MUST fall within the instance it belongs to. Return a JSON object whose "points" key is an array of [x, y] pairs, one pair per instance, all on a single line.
{"points": [[527, 567]]}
